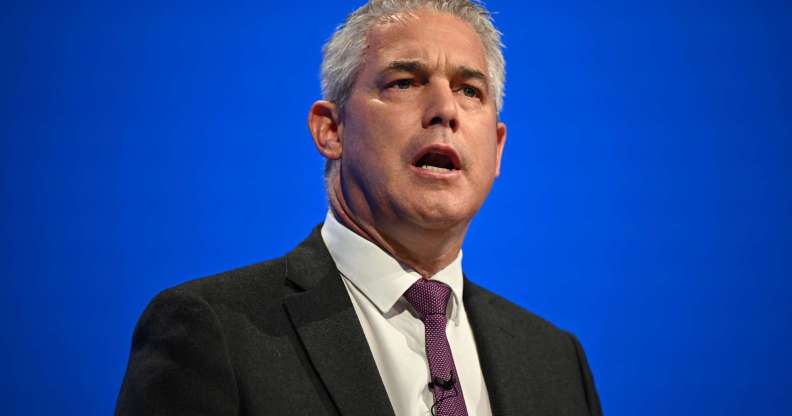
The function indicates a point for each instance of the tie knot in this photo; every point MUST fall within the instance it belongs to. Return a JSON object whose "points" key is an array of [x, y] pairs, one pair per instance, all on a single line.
{"points": [[428, 297]]}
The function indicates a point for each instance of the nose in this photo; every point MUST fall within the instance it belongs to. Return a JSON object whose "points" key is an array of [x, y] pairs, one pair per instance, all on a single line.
{"points": [[441, 106]]}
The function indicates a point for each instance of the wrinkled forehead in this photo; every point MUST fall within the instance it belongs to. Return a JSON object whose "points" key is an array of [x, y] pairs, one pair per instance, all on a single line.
{"points": [[432, 37]]}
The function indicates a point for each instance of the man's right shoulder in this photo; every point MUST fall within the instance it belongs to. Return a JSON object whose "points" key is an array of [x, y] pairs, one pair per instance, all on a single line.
{"points": [[258, 285], [259, 282], [249, 291]]}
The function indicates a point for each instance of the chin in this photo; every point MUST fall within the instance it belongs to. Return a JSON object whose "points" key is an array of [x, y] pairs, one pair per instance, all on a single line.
{"points": [[443, 216]]}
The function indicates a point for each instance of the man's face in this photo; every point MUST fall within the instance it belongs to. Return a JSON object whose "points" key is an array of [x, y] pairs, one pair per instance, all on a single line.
{"points": [[420, 136]]}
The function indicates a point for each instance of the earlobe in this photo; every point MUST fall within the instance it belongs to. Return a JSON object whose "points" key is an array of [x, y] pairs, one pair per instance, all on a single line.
{"points": [[501, 141], [323, 123]]}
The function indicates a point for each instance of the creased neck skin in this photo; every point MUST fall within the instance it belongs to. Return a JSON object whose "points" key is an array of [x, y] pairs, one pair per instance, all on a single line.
{"points": [[423, 250]]}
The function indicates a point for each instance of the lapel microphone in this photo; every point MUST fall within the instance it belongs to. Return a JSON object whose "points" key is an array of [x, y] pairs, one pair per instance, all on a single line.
{"points": [[442, 383]]}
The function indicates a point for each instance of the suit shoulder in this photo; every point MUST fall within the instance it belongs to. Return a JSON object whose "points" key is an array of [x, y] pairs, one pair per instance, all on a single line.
{"points": [[519, 318], [242, 287]]}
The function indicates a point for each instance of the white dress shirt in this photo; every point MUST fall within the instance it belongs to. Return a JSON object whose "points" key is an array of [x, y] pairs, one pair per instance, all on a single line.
{"points": [[376, 282]]}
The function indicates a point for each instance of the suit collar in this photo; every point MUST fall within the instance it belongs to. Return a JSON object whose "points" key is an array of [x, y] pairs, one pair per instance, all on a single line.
{"points": [[326, 323], [380, 277], [375, 273], [498, 341]]}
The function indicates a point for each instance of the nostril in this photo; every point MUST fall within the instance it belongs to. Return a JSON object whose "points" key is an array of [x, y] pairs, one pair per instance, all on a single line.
{"points": [[440, 121]]}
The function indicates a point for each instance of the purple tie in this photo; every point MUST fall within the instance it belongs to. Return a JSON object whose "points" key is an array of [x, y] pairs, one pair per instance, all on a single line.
{"points": [[429, 298]]}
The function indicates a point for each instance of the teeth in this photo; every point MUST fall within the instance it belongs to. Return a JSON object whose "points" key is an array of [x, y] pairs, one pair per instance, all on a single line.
{"points": [[435, 168]]}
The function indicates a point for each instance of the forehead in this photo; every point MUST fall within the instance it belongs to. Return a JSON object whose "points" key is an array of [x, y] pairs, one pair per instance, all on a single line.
{"points": [[429, 36]]}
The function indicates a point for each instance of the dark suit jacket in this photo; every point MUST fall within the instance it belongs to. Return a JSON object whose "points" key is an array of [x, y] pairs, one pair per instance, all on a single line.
{"points": [[282, 338]]}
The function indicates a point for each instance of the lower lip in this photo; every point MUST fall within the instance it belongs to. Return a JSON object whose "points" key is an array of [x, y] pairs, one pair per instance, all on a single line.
{"points": [[431, 174]]}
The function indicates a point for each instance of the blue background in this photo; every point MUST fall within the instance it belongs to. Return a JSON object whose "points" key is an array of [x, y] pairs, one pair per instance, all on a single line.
{"points": [[644, 201]]}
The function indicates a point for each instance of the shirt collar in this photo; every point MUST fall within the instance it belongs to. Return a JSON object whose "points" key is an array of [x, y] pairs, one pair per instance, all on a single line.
{"points": [[380, 277]]}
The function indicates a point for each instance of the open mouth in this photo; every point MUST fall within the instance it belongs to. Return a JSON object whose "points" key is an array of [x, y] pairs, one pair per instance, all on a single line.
{"points": [[440, 159]]}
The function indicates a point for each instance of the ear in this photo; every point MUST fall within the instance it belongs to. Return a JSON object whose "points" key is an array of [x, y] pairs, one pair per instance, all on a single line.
{"points": [[323, 122], [501, 141]]}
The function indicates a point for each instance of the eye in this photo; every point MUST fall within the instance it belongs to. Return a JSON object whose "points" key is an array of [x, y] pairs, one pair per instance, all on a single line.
{"points": [[471, 92], [401, 84]]}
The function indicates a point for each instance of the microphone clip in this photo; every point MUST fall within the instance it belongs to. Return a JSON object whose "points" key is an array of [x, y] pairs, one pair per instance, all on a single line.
{"points": [[442, 383]]}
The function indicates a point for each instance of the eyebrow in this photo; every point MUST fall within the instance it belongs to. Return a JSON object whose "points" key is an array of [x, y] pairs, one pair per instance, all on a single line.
{"points": [[417, 67], [412, 67], [470, 73]]}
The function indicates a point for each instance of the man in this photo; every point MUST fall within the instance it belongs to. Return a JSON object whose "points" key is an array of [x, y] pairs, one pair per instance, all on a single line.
{"points": [[371, 314]]}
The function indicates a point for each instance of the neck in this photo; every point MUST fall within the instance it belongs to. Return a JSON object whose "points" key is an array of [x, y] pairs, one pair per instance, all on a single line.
{"points": [[427, 251]]}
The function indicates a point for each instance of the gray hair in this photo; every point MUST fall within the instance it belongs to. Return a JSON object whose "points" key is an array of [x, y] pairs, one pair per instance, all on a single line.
{"points": [[343, 53]]}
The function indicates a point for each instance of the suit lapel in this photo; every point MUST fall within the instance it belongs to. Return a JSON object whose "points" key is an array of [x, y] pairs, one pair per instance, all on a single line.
{"points": [[498, 344], [328, 327]]}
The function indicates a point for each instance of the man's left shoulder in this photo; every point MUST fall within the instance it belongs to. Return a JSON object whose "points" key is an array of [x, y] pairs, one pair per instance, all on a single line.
{"points": [[485, 305], [516, 344]]}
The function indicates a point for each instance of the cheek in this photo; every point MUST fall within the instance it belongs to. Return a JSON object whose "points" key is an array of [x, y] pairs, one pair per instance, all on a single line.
{"points": [[484, 148], [379, 137], [367, 152]]}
